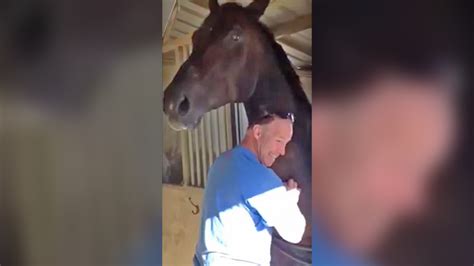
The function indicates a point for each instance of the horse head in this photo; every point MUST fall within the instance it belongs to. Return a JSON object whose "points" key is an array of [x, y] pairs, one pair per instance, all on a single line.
{"points": [[224, 66]]}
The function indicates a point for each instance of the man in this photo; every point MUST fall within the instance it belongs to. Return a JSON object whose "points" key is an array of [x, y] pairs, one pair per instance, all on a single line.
{"points": [[383, 123], [244, 199]]}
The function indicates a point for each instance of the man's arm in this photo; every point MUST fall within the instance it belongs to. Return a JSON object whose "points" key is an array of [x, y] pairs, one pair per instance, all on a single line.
{"points": [[279, 208]]}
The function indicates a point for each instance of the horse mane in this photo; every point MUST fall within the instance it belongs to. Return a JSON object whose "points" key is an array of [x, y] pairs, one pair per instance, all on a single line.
{"points": [[283, 62], [286, 67]]}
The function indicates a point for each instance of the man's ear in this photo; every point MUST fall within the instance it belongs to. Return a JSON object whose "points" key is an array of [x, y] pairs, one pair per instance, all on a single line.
{"points": [[257, 131]]}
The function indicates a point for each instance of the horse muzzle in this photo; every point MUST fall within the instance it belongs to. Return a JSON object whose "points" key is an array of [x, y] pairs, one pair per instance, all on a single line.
{"points": [[179, 115]]}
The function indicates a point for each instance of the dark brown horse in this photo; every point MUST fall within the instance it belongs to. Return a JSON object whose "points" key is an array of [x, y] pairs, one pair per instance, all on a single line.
{"points": [[235, 59]]}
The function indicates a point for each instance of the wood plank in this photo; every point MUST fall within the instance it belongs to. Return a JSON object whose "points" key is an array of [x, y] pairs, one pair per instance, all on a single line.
{"points": [[184, 157], [228, 124], [207, 122], [296, 25], [222, 130], [184, 40], [201, 10], [197, 155], [177, 35], [192, 19], [203, 153], [184, 27], [243, 120], [170, 22], [191, 158], [215, 133]]}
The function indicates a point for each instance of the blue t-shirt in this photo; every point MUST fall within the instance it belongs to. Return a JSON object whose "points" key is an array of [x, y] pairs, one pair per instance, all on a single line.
{"points": [[327, 253], [231, 226]]}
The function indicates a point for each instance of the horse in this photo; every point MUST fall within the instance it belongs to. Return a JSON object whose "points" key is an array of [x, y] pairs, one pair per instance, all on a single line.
{"points": [[235, 59]]}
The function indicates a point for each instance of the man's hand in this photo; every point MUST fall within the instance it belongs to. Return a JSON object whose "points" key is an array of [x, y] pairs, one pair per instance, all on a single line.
{"points": [[291, 184], [285, 216], [292, 190]]}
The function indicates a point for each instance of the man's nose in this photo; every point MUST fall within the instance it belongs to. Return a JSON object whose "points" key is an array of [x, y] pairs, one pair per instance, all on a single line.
{"points": [[282, 151]]}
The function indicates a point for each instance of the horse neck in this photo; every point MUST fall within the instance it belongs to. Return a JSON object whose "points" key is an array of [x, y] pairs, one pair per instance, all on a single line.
{"points": [[274, 93]]}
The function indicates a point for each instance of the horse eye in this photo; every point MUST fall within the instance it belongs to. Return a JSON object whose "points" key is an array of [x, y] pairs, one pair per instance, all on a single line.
{"points": [[235, 37]]}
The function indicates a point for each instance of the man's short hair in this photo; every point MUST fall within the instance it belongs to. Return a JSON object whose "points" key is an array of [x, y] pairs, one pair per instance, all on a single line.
{"points": [[269, 117]]}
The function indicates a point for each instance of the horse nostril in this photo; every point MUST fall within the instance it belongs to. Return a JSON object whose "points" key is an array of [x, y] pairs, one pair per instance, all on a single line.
{"points": [[183, 106]]}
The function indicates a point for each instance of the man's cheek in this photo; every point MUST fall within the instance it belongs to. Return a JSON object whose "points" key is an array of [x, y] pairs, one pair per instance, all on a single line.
{"points": [[379, 181], [394, 191]]}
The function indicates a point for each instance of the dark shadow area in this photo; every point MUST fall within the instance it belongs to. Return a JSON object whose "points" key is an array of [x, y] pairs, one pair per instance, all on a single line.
{"points": [[54, 53], [353, 40], [446, 236]]}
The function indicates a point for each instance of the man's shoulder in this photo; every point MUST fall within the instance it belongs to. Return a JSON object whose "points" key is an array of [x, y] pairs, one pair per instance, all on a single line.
{"points": [[228, 162], [229, 155], [245, 165], [235, 156]]}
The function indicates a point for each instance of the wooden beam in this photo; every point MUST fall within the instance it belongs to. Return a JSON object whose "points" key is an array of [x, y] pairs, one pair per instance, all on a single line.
{"points": [[186, 39], [183, 27], [201, 3], [200, 8], [170, 22], [191, 19], [296, 25]]}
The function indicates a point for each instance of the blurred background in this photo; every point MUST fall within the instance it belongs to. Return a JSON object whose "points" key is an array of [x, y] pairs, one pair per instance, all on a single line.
{"points": [[446, 235], [80, 131]]}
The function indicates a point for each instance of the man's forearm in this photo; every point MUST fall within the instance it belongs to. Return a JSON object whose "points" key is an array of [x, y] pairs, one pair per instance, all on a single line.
{"points": [[292, 223], [279, 208]]}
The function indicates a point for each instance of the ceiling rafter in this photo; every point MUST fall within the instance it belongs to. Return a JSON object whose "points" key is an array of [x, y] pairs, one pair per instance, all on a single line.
{"points": [[197, 10]]}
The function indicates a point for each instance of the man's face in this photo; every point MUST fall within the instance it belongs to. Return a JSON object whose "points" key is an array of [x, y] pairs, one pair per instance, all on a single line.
{"points": [[272, 139], [374, 156]]}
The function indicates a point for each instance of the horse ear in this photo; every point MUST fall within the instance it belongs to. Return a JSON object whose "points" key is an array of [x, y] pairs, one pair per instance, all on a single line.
{"points": [[258, 6], [213, 5]]}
